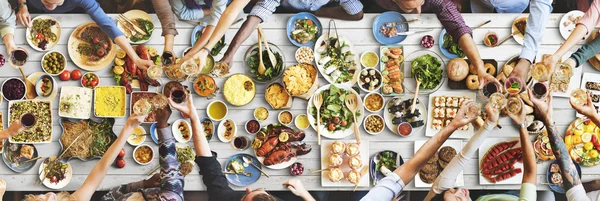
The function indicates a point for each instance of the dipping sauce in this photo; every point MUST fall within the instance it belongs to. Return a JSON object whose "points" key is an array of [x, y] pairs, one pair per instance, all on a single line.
{"points": [[137, 136], [369, 59], [261, 113], [374, 102], [301, 121], [285, 117], [405, 129], [217, 110], [143, 154], [252, 126]]}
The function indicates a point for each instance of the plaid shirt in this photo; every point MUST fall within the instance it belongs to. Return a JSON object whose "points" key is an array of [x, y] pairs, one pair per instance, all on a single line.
{"points": [[445, 11], [264, 8]]}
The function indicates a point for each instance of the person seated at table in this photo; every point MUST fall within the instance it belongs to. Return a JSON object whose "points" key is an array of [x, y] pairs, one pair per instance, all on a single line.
{"points": [[168, 184], [499, 6], [347, 10], [443, 187], [586, 25], [571, 181], [108, 26], [207, 11], [391, 186], [451, 20], [96, 175], [212, 175], [8, 23]]}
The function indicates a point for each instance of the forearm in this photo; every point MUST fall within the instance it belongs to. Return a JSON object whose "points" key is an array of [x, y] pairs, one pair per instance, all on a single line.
{"points": [[171, 180], [569, 172], [571, 41], [123, 43], [200, 142], [536, 25], [9, 42], [529, 161], [97, 173], [202, 40], [225, 21], [586, 51], [243, 33], [169, 40], [591, 185], [338, 13], [469, 47]]}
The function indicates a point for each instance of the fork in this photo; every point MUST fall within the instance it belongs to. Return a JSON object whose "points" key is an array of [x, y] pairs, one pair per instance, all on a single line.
{"points": [[318, 101], [352, 105], [132, 31]]}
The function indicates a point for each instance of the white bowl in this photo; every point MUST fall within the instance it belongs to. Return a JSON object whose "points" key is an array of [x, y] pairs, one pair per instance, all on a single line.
{"points": [[254, 114], [246, 126], [279, 119], [365, 102], [39, 82], [365, 124], [296, 121], [177, 134], [361, 59], [377, 72], [221, 130], [208, 114], [83, 77], [144, 145], [64, 66], [141, 141], [22, 82]]}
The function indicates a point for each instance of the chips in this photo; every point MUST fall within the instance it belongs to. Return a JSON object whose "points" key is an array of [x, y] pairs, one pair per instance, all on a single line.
{"points": [[299, 78], [276, 96]]}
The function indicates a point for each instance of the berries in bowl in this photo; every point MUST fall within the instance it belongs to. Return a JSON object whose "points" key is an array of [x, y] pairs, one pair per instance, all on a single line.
{"points": [[90, 80], [427, 41], [297, 169]]}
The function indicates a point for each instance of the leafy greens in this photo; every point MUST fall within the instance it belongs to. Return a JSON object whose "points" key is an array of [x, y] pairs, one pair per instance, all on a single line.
{"points": [[452, 46], [428, 69]]}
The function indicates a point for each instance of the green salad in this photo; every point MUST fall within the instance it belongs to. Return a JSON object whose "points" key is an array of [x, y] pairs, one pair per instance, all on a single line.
{"points": [[452, 46], [386, 159], [337, 60], [334, 113], [271, 71], [145, 25], [428, 69]]}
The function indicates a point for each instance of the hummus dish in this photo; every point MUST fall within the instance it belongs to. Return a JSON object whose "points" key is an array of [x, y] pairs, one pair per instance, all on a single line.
{"points": [[109, 102], [239, 90]]}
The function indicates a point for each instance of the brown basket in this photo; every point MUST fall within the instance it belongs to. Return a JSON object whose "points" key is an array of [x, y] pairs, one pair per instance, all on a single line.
{"points": [[594, 61]]}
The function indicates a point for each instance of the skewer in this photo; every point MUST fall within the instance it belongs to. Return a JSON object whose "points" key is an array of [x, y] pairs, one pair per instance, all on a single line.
{"points": [[153, 170], [65, 151], [317, 171]]}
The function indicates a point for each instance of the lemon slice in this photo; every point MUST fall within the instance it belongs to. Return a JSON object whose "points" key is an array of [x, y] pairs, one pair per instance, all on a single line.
{"points": [[283, 137], [121, 54], [119, 62], [586, 137], [152, 52], [545, 139], [118, 70], [256, 144]]}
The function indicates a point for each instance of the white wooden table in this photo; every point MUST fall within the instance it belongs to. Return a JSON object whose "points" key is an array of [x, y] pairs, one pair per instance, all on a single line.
{"points": [[359, 33]]}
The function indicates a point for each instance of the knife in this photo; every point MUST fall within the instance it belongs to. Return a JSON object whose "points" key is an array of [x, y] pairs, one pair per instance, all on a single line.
{"points": [[405, 22], [412, 32]]}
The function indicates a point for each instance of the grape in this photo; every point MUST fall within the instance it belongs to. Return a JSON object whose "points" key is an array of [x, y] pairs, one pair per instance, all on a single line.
{"points": [[2, 60]]}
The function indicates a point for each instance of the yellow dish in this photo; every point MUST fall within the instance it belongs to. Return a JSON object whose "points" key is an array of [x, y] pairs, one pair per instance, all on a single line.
{"points": [[109, 101], [239, 90], [137, 137]]}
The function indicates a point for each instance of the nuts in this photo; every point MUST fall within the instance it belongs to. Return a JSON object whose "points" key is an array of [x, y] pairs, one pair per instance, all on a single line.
{"points": [[374, 124], [304, 55]]}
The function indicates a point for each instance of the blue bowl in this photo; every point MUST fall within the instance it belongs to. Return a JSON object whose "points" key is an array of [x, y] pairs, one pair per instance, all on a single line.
{"points": [[38, 90], [241, 180], [196, 29], [387, 17], [559, 188], [153, 133], [23, 167], [291, 25], [444, 50]]}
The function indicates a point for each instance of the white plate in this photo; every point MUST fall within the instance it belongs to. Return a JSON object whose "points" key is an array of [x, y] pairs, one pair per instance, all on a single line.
{"points": [[60, 184], [589, 77], [485, 146], [323, 129], [519, 38], [575, 79], [80, 95], [565, 31], [322, 68], [177, 134], [458, 133], [131, 15], [326, 150], [457, 145], [388, 117], [277, 166], [10, 103], [221, 130], [55, 29]]}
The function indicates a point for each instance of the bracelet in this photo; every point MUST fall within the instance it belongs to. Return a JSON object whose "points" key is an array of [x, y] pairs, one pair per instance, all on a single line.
{"points": [[523, 125], [205, 48]]}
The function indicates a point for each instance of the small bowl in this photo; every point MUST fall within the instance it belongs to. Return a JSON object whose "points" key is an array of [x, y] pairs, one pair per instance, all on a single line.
{"points": [[138, 147], [312, 56], [365, 124], [221, 130], [213, 102], [298, 167], [246, 126], [377, 74], [14, 78], [486, 42], [296, 121], [83, 77], [38, 85], [375, 94], [254, 113], [403, 124], [131, 141], [363, 55], [177, 134], [279, 117], [63, 67]]}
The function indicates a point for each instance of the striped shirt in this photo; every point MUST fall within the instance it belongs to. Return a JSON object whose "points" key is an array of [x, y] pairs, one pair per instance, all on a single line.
{"points": [[264, 8]]}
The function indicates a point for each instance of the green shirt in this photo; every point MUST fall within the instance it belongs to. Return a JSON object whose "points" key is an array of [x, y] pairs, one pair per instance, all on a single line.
{"points": [[527, 194], [587, 51]]}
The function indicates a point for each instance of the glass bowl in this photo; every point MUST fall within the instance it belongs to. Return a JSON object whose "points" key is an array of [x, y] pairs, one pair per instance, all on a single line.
{"points": [[253, 50], [410, 84]]}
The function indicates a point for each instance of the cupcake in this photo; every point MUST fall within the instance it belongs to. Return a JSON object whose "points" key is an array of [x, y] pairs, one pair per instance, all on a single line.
{"points": [[338, 147], [353, 149], [335, 175]]}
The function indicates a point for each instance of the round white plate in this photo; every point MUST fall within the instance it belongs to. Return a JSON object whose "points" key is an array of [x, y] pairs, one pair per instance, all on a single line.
{"points": [[519, 38], [323, 129], [131, 15], [565, 31], [55, 29], [322, 68], [388, 117], [177, 134], [279, 166], [60, 184], [221, 130]]}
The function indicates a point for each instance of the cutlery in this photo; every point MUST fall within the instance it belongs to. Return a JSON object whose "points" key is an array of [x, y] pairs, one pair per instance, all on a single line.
{"points": [[406, 33], [504, 40], [261, 64], [248, 160], [352, 105], [132, 31], [248, 174], [65, 151], [397, 23], [363, 171], [33, 159], [30, 87], [482, 24], [271, 55], [414, 102], [318, 101], [132, 24]]}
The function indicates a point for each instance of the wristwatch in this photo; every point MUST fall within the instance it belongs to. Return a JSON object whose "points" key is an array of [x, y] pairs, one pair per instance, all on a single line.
{"points": [[21, 4], [523, 125]]}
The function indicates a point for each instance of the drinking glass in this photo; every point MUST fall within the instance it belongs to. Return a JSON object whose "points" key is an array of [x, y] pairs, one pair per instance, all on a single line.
{"points": [[142, 107], [18, 57], [579, 97], [155, 72], [563, 72], [178, 94], [159, 101], [28, 120], [473, 110], [497, 100], [240, 143], [540, 90], [539, 72], [514, 105], [190, 68], [514, 85], [489, 89]]}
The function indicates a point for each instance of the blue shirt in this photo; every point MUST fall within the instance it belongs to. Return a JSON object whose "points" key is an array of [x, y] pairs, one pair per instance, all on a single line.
{"points": [[264, 8], [386, 189], [185, 13], [539, 12], [91, 7]]}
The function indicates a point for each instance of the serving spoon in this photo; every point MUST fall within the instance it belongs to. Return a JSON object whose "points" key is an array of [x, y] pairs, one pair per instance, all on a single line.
{"points": [[414, 102], [261, 64], [29, 86], [352, 105], [271, 55]]}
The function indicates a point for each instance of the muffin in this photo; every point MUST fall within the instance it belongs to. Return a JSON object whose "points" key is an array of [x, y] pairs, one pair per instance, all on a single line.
{"points": [[338, 147], [355, 163], [353, 149]]}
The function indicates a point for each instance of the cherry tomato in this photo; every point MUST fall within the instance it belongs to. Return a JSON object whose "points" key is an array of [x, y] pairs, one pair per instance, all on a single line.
{"points": [[100, 52], [84, 82], [40, 36], [65, 76], [336, 120], [54, 179], [76, 75], [120, 163], [331, 126], [94, 82], [121, 154], [96, 40], [344, 123]]}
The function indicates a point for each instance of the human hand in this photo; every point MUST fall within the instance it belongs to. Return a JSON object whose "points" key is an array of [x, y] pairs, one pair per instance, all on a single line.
{"points": [[587, 109], [142, 63], [485, 78], [15, 128], [492, 114], [24, 17], [227, 59], [188, 109], [550, 63], [201, 57], [153, 181], [135, 120], [460, 119], [543, 108], [518, 118], [297, 188], [162, 116], [521, 69]]}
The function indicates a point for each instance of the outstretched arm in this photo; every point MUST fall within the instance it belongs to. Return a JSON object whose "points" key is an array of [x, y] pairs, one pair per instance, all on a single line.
{"points": [[200, 143], [243, 33]]}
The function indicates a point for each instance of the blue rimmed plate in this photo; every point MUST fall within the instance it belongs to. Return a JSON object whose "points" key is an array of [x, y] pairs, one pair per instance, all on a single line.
{"points": [[196, 36], [154, 133], [377, 175], [291, 26], [13, 166], [388, 17], [241, 180], [559, 187], [444, 50]]}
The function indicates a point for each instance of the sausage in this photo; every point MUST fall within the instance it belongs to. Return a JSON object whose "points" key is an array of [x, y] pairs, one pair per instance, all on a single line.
{"points": [[504, 156], [267, 147], [125, 82], [496, 150]]}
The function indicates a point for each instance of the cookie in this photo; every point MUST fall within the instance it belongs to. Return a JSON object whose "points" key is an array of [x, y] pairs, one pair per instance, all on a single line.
{"points": [[430, 168], [447, 153]]}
